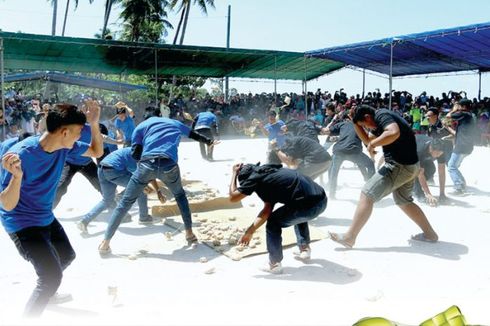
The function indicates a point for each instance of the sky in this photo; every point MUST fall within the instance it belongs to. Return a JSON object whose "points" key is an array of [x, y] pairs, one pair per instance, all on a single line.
{"points": [[286, 25]]}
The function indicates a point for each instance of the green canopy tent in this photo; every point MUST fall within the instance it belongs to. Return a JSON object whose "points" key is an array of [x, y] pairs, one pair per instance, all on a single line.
{"points": [[68, 54]]}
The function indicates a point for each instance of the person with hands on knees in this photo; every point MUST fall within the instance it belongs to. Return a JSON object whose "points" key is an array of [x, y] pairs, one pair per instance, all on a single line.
{"points": [[302, 199], [155, 146], [33, 168]]}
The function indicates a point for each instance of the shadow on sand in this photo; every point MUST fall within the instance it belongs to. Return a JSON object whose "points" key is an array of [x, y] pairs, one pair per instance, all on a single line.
{"points": [[440, 249], [317, 270]]}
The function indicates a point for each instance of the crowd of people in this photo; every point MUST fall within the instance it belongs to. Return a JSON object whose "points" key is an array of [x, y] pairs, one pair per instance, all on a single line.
{"points": [[47, 144]]}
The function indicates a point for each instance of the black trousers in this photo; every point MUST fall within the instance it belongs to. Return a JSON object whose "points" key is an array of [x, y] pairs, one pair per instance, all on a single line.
{"points": [[48, 249], [89, 171], [208, 133]]}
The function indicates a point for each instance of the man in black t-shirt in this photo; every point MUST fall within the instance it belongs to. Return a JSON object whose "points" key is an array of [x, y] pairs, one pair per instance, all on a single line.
{"points": [[306, 128], [463, 145], [428, 149], [347, 148], [303, 200], [305, 155], [397, 176]]}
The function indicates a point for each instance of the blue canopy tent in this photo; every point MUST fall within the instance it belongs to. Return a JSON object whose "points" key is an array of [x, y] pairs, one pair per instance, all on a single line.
{"points": [[56, 77], [446, 50]]}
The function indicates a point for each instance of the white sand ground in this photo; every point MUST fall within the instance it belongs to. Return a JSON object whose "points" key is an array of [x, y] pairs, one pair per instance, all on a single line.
{"points": [[384, 275]]}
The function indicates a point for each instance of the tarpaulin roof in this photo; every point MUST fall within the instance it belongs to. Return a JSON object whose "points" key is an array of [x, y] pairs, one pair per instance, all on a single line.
{"points": [[55, 53], [445, 50], [74, 80]]}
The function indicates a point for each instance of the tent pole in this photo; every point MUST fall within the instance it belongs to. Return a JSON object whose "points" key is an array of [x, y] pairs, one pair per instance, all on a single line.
{"points": [[391, 72], [2, 89], [156, 79], [275, 77], [479, 85], [363, 82], [306, 91], [227, 85]]}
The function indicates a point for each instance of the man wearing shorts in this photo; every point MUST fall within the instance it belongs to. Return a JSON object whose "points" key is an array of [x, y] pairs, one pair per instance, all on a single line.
{"points": [[397, 175]]}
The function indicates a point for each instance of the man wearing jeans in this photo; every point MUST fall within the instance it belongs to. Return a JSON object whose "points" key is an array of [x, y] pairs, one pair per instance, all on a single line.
{"points": [[397, 176], [116, 170], [347, 148], [33, 169], [463, 146], [155, 145], [303, 200]]}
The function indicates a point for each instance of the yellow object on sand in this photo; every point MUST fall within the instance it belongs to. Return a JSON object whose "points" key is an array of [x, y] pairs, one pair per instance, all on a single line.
{"points": [[450, 317]]}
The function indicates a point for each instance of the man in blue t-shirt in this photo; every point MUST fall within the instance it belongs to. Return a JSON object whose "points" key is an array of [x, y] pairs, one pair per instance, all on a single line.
{"points": [[206, 124], [155, 145], [275, 134], [33, 169], [124, 122]]}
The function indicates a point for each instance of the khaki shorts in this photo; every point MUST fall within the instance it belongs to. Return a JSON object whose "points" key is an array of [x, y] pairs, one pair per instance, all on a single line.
{"points": [[392, 177]]}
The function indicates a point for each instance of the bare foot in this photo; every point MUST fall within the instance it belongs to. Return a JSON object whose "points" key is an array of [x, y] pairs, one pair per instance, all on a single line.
{"points": [[342, 239]]}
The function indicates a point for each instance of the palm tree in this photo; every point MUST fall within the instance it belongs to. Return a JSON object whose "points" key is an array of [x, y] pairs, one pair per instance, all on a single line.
{"points": [[107, 13], [54, 3], [145, 20], [184, 7], [66, 13]]}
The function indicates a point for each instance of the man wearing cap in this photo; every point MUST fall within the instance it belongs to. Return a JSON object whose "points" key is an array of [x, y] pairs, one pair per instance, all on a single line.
{"points": [[464, 142], [302, 199], [124, 122], [206, 124], [397, 176]]}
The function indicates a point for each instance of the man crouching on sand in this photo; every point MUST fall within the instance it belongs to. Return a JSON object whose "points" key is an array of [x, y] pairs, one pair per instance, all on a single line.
{"points": [[303, 200]]}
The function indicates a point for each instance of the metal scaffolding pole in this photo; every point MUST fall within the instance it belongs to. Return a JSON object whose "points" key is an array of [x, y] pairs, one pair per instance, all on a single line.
{"points": [[2, 87], [306, 90], [156, 79], [363, 82], [227, 85], [391, 72], [479, 85], [275, 77]]}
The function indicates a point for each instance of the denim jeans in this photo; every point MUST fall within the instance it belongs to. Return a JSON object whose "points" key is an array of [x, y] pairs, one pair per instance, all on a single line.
{"points": [[365, 164], [286, 216], [89, 171], [48, 249], [453, 169], [158, 168], [109, 180]]}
